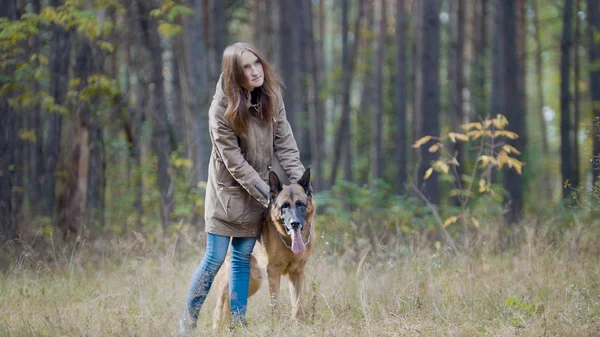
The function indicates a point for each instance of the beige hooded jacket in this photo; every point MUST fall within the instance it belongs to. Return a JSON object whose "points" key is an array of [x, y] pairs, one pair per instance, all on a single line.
{"points": [[237, 188]]}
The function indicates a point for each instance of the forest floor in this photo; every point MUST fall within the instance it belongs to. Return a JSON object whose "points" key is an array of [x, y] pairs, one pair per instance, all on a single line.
{"points": [[131, 289]]}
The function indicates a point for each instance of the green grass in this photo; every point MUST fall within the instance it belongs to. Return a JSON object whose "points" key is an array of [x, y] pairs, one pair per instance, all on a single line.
{"points": [[128, 288]]}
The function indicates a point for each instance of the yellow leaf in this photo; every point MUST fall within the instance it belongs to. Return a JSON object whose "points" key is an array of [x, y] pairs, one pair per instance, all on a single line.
{"points": [[510, 149], [421, 141], [507, 134], [469, 126], [500, 122], [428, 173], [482, 186], [487, 123], [518, 165], [503, 159], [474, 134], [475, 222], [441, 166], [484, 159], [455, 135], [461, 137], [452, 138], [450, 221], [434, 147]]}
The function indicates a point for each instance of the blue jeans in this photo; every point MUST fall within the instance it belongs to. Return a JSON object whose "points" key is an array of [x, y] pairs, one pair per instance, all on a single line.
{"points": [[239, 280]]}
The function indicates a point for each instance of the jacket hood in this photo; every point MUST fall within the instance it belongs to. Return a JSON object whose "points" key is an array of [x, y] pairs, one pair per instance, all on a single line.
{"points": [[220, 89]]}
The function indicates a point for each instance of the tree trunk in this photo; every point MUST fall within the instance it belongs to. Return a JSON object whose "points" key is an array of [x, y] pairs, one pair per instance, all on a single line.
{"points": [[594, 61], [377, 121], [480, 33], [160, 136], [218, 37], [566, 127], [400, 102], [8, 119], [197, 90], [540, 76], [417, 80], [343, 139], [539, 66], [96, 192], [302, 133], [35, 150], [368, 98], [498, 104], [73, 200], [430, 98], [59, 85], [136, 112], [514, 92], [316, 110], [289, 60], [576, 96], [175, 98], [456, 64]]}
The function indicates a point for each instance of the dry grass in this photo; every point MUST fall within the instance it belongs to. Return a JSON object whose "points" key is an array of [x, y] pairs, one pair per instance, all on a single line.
{"points": [[132, 290]]}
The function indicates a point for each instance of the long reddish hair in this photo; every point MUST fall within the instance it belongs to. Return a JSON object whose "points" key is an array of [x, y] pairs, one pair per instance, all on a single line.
{"points": [[238, 98]]}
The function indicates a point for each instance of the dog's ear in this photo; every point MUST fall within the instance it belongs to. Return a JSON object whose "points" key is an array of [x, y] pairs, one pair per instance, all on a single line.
{"points": [[274, 184], [305, 182]]}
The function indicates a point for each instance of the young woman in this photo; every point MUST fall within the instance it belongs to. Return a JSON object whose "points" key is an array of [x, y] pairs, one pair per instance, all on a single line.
{"points": [[248, 131]]}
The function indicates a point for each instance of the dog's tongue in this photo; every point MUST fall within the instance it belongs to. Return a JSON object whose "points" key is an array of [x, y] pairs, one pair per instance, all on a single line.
{"points": [[297, 242]]}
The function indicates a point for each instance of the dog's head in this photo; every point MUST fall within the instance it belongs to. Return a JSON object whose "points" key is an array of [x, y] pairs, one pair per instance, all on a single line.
{"points": [[292, 208]]}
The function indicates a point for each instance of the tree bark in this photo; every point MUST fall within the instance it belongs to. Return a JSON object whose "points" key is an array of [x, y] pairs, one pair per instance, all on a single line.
{"points": [[288, 62], [566, 128], [316, 110], [400, 102], [368, 99], [417, 80], [342, 145], [430, 98], [302, 133], [456, 64], [593, 9], [515, 101], [377, 121], [498, 104], [8, 119], [136, 112], [160, 135], [218, 37], [196, 93], [73, 200], [59, 84], [35, 150], [175, 98], [480, 60], [576, 96], [540, 76]]}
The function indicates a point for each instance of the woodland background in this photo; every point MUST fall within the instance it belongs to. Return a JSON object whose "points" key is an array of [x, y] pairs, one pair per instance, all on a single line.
{"points": [[454, 148], [104, 103], [104, 110]]}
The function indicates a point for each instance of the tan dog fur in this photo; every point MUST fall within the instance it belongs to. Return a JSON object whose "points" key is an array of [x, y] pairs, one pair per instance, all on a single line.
{"points": [[273, 259]]}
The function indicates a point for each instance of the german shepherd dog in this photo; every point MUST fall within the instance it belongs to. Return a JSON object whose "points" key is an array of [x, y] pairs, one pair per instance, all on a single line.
{"points": [[286, 243]]}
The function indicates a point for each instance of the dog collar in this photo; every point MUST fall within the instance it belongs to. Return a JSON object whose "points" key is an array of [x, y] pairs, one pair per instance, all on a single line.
{"points": [[307, 240]]}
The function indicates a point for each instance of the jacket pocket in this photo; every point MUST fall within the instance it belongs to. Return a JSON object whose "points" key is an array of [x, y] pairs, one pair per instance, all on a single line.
{"points": [[233, 204]]}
